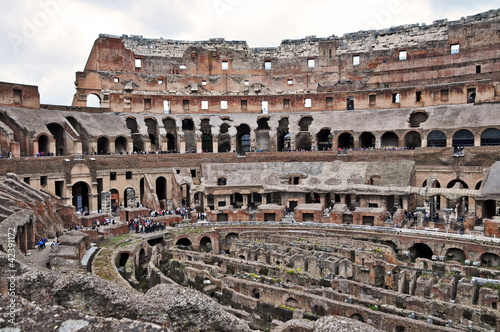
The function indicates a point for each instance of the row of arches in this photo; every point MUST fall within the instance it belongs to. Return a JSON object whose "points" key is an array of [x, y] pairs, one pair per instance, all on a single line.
{"points": [[303, 140], [422, 250]]}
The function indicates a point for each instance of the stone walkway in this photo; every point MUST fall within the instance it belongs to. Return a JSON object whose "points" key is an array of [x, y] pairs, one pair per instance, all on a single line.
{"points": [[40, 257]]}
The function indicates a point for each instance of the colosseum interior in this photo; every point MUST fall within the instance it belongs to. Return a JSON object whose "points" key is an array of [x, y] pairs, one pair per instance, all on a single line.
{"points": [[328, 184]]}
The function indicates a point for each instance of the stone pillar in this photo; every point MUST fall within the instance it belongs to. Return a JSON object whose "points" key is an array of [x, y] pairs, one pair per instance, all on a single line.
{"points": [[182, 147], [245, 200], [356, 142], [424, 141], [378, 142], [93, 203], [205, 202], [342, 198], [215, 144], [252, 140], [198, 145], [264, 198], [52, 146], [22, 239], [112, 148], [106, 202]]}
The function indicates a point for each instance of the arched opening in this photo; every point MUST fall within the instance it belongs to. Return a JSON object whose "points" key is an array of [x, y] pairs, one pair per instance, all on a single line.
{"points": [[291, 302], [44, 145], [436, 138], [462, 204], [256, 199], [463, 137], [230, 239], [305, 122], [153, 133], [184, 242], [241, 257], [136, 136], [237, 200], [206, 143], [455, 254], [490, 136], [420, 250], [211, 201], [367, 140], [103, 145], [255, 294], [303, 141], [206, 244], [93, 100], [324, 139], [345, 141], [80, 192], [390, 140], [283, 135], [57, 132], [416, 118], [189, 135], [121, 145], [489, 260], [436, 200], [123, 259], [489, 209], [243, 139], [313, 198], [224, 138], [206, 136], [318, 310], [129, 195], [115, 197], [478, 185], [171, 130], [161, 188], [413, 140]]}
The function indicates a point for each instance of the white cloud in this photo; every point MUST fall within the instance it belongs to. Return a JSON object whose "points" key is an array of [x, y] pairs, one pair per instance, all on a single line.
{"points": [[46, 41]]}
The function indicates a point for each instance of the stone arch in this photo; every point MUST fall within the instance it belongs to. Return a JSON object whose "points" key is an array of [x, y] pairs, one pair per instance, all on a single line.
{"points": [[80, 192], [58, 133], [171, 129], [206, 244], [367, 140], [489, 259], [230, 239], [490, 136], [436, 138], [243, 139], [319, 310], [120, 145], [303, 141], [463, 137], [455, 254], [389, 139], [420, 250], [93, 100], [161, 188], [224, 138], [129, 196], [255, 293], [413, 139], [189, 134], [153, 132], [184, 242], [115, 197], [418, 117], [291, 303], [43, 144], [283, 135], [103, 145], [206, 136], [138, 141], [345, 141], [324, 139], [305, 122]]}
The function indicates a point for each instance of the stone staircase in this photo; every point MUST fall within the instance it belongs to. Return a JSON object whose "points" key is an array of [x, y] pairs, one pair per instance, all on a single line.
{"points": [[288, 218]]}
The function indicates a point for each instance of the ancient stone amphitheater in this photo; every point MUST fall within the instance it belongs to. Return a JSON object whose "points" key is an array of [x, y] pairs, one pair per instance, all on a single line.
{"points": [[328, 184]]}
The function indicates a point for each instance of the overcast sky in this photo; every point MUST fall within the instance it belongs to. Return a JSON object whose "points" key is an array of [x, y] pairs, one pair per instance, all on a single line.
{"points": [[44, 42]]}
